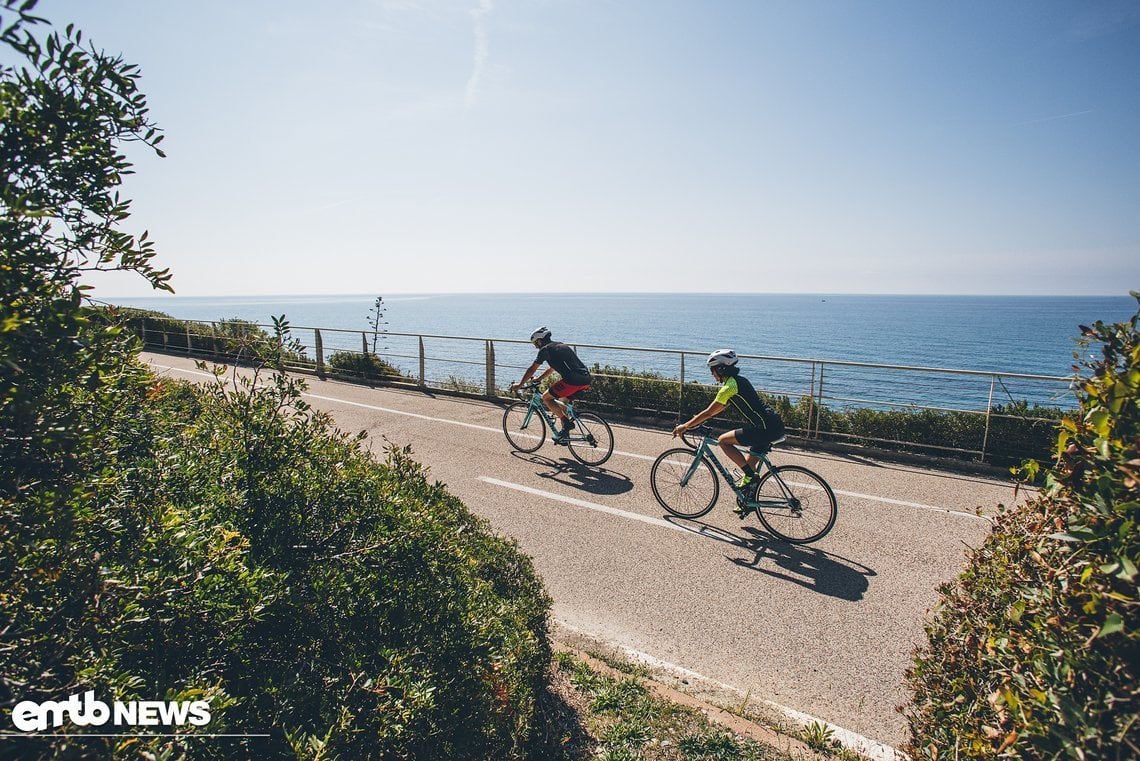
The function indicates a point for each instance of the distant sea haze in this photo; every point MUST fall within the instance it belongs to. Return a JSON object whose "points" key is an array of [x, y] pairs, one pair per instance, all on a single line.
{"points": [[1033, 335]]}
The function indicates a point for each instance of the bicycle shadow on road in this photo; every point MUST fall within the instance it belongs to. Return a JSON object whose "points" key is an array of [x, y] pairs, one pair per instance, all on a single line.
{"points": [[598, 481], [808, 567]]}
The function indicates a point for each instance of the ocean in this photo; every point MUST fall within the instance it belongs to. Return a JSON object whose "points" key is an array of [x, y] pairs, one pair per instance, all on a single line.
{"points": [[1033, 335]]}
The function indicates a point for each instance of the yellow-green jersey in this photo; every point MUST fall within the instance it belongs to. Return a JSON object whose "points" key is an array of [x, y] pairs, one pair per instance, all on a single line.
{"points": [[738, 393]]}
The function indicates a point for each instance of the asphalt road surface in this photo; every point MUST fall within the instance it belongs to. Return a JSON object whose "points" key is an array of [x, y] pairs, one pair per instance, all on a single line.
{"points": [[826, 629]]}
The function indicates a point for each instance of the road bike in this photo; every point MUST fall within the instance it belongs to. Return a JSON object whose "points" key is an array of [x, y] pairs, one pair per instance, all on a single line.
{"points": [[591, 440], [792, 502]]}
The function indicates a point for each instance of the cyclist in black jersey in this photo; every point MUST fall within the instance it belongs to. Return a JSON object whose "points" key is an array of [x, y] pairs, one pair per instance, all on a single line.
{"points": [[762, 424], [561, 358]]}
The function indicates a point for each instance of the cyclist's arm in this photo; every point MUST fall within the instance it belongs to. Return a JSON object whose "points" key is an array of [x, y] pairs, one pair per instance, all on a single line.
{"points": [[714, 409], [527, 375]]}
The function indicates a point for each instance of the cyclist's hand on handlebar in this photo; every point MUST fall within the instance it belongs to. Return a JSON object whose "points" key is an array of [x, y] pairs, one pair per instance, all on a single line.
{"points": [[679, 430]]}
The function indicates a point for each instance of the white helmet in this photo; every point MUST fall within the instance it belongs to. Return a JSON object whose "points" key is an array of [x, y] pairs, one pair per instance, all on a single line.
{"points": [[542, 333], [721, 358]]}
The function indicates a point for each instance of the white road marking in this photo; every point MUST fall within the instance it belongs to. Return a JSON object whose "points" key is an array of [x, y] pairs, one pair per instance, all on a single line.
{"points": [[634, 455], [588, 505], [917, 505]]}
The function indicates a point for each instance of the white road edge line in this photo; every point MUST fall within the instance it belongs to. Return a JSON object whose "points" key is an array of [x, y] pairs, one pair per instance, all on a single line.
{"points": [[417, 416], [658, 522], [869, 748], [704, 532]]}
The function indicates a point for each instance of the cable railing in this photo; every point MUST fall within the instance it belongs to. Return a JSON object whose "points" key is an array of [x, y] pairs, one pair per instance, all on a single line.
{"points": [[939, 411]]}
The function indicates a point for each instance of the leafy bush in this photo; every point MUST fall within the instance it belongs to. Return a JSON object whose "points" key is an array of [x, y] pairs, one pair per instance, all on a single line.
{"points": [[366, 366], [233, 340], [161, 542], [1034, 652], [314, 594]]}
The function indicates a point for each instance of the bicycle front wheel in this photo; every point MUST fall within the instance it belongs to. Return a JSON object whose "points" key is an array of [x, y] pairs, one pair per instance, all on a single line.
{"points": [[684, 484], [809, 511], [524, 427], [592, 441]]}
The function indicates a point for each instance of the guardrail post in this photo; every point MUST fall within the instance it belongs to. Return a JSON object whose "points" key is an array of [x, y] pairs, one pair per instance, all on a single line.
{"points": [[422, 376], [188, 340], [490, 357], [363, 344], [819, 407], [811, 403], [319, 350], [681, 390], [989, 416]]}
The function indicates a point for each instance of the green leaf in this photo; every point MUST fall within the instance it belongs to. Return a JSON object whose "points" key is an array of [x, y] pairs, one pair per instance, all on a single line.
{"points": [[1100, 419], [1113, 624], [1127, 569]]}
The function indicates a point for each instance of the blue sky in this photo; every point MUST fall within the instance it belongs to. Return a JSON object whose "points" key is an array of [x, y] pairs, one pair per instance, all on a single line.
{"points": [[390, 146]]}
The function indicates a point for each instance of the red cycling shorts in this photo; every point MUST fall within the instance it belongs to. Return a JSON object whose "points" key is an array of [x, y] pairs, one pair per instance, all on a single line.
{"points": [[562, 389]]}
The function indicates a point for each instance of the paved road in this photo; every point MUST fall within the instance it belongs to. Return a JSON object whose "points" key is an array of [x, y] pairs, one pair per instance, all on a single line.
{"points": [[826, 629]]}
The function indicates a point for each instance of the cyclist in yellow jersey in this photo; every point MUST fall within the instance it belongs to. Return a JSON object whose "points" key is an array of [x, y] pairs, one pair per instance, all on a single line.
{"points": [[762, 424]]}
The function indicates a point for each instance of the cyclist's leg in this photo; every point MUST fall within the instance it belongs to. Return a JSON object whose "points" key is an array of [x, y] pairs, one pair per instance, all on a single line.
{"points": [[551, 399], [759, 439], [728, 444]]}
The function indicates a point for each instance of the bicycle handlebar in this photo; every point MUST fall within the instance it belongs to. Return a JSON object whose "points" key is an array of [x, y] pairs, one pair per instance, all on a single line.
{"points": [[527, 388], [695, 435]]}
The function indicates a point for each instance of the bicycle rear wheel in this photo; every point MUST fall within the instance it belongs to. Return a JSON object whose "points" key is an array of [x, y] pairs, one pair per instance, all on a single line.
{"points": [[592, 441], [524, 428], [811, 509], [695, 497]]}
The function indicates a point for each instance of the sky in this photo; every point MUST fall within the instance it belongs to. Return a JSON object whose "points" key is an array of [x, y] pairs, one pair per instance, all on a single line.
{"points": [[449, 146]]}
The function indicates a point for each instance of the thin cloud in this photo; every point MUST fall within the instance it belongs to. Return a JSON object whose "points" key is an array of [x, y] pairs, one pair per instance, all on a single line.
{"points": [[481, 51], [335, 204], [1053, 118]]}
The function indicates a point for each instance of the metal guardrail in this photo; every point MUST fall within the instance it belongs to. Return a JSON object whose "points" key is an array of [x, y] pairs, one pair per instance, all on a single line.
{"points": [[487, 366]]}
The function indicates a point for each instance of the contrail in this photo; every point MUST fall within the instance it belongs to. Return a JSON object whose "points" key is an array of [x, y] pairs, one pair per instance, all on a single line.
{"points": [[1053, 118], [481, 51]]}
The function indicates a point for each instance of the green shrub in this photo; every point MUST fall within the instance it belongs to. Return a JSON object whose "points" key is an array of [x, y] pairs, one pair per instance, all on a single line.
{"points": [[162, 542], [407, 628], [367, 366], [231, 340], [313, 594], [626, 393], [1034, 652]]}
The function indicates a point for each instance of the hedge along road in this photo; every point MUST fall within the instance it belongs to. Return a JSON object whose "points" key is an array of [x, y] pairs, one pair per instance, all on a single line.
{"points": [[826, 629]]}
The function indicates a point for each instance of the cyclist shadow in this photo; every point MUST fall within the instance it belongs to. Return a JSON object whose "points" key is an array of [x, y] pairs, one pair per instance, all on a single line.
{"points": [[578, 476], [808, 567]]}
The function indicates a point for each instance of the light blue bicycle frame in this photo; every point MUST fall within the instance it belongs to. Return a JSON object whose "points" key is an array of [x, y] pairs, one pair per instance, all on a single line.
{"points": [[536, 405], [705, 450]]}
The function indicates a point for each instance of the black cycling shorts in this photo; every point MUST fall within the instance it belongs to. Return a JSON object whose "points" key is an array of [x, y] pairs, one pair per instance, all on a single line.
{"points": [[758, 438]]}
